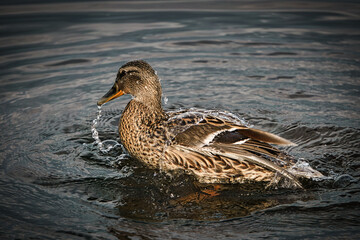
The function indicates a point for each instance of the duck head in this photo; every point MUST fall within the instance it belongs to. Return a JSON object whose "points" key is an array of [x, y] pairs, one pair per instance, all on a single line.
{"points": [[138, 79]]}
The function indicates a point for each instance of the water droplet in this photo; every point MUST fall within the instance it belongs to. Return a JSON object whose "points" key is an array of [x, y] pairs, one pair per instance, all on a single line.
{"points": [[165, 100], [106, 145]]}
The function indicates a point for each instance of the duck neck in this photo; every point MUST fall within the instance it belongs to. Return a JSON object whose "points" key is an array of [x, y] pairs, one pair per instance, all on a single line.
{"points": [[151, 101], [150, 107]]}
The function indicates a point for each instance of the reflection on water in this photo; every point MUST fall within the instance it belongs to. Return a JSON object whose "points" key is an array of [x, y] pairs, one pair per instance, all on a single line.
{"points": [[284, 70]]}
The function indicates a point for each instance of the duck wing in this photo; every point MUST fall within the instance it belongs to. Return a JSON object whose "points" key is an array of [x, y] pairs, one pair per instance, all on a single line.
{"points": [[217, 145], [197, 130]]}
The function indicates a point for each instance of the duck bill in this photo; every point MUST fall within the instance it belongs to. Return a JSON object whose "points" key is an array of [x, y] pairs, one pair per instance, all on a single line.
{"points": [[110, 95]]}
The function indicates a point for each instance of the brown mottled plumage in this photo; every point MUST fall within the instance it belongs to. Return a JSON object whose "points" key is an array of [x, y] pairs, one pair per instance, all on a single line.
{"points": [[212, 147]]}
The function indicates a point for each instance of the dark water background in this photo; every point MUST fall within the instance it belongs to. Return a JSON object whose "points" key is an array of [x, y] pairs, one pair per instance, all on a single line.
{"points": [[288, 67]]}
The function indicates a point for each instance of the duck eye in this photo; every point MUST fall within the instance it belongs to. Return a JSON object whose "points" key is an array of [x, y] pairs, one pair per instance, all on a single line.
{"points": [[121, 74]]}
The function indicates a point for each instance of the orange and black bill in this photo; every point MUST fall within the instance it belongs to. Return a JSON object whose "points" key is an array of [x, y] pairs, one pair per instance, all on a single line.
{"points": [[110, 95]]}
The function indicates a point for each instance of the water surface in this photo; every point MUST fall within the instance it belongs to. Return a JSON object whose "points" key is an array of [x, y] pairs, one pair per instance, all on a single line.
{"points": [[286, 69]]}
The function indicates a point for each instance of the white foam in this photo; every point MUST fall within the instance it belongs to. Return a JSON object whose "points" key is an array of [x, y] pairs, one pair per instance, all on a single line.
{"points": [[303, 168]]}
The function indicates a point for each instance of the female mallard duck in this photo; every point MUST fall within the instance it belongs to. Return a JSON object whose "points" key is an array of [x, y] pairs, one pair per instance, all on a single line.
{"points": [[210, 146]]}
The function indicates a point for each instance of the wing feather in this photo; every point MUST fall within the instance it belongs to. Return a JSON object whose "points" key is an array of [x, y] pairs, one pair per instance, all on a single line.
{"points": [[218, 148], [239, 153], [202, 131], [265, 136]]}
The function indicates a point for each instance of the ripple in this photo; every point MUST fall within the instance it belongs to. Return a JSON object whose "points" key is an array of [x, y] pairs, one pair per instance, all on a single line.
{"points": [[69, 62], [282, 54], [202, 42]]}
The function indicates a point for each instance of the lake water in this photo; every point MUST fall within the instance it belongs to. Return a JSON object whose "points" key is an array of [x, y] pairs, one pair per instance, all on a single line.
{"points": [[288, 68]]}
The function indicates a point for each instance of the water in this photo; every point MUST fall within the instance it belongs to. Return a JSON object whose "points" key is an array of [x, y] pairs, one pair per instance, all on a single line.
{"points": [[288, 68]]}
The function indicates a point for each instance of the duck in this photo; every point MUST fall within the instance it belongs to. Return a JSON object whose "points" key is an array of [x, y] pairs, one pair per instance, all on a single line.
{"points": [[212, 147]]}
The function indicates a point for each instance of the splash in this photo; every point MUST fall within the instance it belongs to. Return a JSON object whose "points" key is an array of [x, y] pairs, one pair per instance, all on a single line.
{"points": [[303, 169], [104, 146], [201, 113]]}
